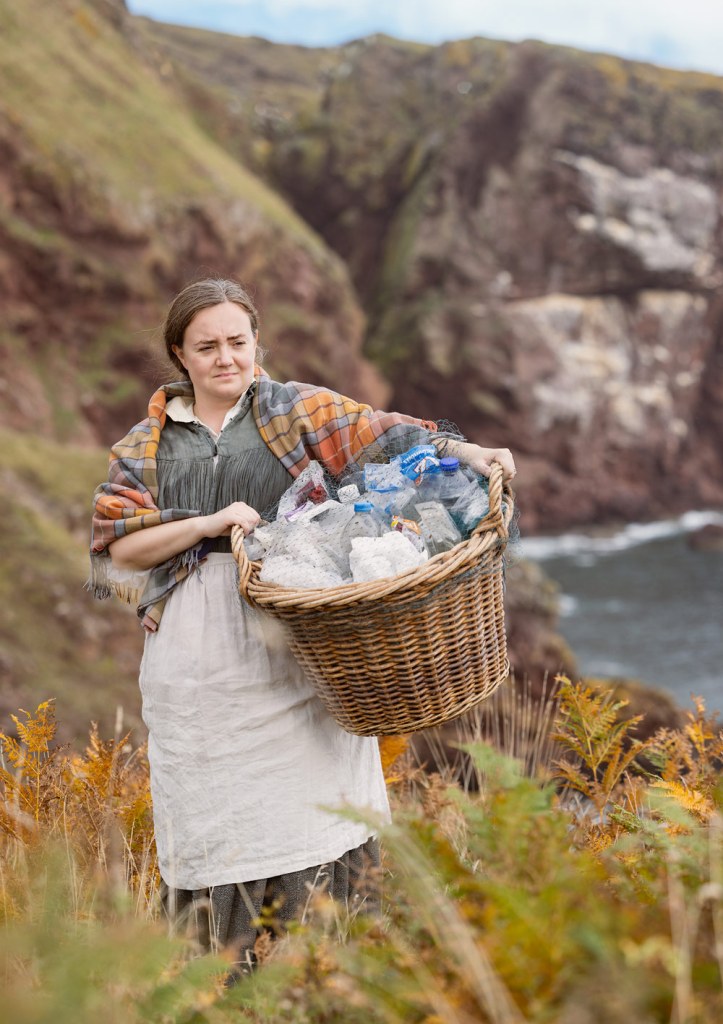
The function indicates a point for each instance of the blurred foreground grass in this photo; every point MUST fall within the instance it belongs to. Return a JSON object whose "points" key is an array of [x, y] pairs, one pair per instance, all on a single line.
{"points": [[591, 892]]}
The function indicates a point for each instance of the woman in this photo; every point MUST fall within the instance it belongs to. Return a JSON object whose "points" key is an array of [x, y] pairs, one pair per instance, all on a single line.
{"points": [[243, 756]]}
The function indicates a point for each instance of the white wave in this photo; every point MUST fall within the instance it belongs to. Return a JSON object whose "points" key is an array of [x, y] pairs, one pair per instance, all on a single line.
{"points": [[586, 547], [567, 604]]}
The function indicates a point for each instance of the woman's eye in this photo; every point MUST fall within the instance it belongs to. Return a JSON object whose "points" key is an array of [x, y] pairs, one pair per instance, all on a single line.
{"points": [[240, 341]]}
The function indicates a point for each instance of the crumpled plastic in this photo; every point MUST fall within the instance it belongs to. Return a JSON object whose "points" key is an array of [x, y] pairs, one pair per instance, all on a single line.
{"points": [[287, 571], [373, 558], [303, 556], [472, 506], [416, 460], [383, 474], [308, 489], [348, 494]]}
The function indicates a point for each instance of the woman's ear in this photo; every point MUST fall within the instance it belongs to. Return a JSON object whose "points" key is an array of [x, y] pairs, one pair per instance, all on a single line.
{"points": [[178, 352]]}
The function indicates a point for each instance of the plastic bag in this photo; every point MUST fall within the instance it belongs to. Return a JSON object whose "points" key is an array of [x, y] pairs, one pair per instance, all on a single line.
{"points": [[308, 489]]}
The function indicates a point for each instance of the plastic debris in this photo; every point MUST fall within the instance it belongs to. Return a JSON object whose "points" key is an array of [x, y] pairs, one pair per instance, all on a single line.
{"points": [[373, 558], [372, 522]]}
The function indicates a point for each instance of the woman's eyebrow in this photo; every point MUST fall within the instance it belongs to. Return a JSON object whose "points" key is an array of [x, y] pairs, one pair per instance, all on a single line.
{"points": [[214, 341]]}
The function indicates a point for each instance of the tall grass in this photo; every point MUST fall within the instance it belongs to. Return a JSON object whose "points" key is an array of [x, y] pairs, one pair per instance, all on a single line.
{"points": [[579, 881]]}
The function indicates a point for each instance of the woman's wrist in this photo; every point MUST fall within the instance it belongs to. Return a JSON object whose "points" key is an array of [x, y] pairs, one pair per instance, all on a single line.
{"points": [[451, 447], [144, 549], [479, 458]]}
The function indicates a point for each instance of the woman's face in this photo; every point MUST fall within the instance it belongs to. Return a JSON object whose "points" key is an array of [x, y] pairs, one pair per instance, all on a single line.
{"points": [[218, 352]]}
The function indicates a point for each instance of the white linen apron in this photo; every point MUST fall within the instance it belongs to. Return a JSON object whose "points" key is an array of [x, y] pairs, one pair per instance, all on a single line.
{"points": [[245, 762]]}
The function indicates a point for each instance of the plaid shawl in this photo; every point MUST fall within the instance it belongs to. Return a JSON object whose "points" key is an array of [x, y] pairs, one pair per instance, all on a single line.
{"points": [[298, 422]]}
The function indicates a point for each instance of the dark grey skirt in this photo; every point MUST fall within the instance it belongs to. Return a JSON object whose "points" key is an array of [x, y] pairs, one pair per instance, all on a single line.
{"points": [[231, 917]]}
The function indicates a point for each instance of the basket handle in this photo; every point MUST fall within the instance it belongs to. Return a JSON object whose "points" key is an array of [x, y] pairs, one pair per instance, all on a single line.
{"points": [[495, 518], [245, 567]]}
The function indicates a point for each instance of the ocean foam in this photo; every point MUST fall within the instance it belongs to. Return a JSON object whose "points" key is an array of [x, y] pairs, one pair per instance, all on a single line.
{"points": [[587, 547]]}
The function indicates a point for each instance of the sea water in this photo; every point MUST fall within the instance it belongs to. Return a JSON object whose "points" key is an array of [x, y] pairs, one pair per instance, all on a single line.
{"points": [[642, 603]]}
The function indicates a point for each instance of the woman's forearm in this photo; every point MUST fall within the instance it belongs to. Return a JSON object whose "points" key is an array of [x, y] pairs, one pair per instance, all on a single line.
{"points": [[146, 548], [143, 549], [481, 459]]}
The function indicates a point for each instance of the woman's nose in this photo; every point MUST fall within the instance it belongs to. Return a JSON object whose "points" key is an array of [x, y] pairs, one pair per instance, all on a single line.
{"points": [[223, 355]]}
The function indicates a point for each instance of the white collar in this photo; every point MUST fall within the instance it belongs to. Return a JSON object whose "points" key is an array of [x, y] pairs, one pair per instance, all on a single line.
{"points": [[180, 409]]}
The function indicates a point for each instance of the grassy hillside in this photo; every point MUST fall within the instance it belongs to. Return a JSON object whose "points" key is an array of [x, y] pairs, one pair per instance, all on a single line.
{"points": [[112, 196], [56, 640], [87, 103]]}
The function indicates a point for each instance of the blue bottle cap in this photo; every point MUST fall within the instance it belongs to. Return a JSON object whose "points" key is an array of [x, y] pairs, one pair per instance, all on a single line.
{"points": [[363, 506], [449, 464]]}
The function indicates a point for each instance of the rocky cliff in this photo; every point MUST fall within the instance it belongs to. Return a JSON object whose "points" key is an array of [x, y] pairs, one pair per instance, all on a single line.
{"points": [[534, 232], [524, 238]]}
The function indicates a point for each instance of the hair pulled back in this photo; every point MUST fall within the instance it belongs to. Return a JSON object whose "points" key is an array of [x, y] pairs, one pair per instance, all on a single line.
{"points": [[211, 291]]}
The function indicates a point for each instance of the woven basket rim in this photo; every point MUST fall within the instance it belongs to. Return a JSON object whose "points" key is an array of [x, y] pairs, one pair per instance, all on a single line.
{"points": [[490, 535]]}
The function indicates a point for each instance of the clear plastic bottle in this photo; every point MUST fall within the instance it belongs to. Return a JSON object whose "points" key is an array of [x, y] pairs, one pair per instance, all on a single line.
{"points": [[364, 523], [466, 499], [453, 484], [437, 527], [389, 500], [428, 489]]}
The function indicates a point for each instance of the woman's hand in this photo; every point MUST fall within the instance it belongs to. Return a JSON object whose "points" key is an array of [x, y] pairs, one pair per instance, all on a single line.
{"points": [[480, 459], [143, 549], [238, 514]]}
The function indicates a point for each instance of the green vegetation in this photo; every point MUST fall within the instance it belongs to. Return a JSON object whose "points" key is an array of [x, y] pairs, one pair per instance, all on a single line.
{"points": [[604, 97], [62, 477], [104, 124], [588, 890], [52, 631]]}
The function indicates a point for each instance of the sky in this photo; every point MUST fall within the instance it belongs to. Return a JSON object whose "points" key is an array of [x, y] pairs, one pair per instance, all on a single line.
{"points": [[686, 34]]}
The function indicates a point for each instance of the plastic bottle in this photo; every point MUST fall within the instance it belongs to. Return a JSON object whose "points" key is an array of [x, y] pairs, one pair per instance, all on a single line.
{"points": [[472, 506], [438, 529], [465, 499], [428, 489], [389, 500], [364, 524], [453, 483]]}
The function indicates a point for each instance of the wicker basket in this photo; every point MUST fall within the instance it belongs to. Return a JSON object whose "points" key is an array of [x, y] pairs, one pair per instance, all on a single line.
{"points": [[405, 653]]}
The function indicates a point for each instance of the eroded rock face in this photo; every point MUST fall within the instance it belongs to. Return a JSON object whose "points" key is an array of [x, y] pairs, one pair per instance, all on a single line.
{"points": [[665, 220], [567, 305], [533, 238], [537, 236], [613, 386]]}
